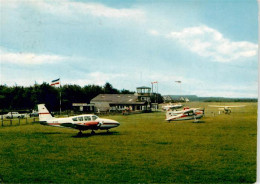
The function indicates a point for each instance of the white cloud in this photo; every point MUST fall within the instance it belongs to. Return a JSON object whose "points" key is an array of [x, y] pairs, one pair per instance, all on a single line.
{"points": [[29, 58], [208, 42], [75, 9], [153, 32], [97, 78]]}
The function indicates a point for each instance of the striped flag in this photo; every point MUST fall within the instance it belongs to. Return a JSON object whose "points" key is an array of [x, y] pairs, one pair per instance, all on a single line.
{"points": [[55, 82], [178, 81]]}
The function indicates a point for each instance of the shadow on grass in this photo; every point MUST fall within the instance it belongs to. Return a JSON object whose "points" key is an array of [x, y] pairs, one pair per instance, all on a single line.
{"points": [[46, 133], [163, 143], [199, 121], [86, 135]]}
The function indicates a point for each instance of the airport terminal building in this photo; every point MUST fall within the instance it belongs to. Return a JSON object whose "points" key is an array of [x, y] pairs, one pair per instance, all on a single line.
{"points": [[140, 101]]}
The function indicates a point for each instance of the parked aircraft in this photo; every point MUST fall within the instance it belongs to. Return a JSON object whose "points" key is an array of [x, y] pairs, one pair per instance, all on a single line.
{"points": [[226, 108], [186, 114], [80, 122], [171, 106]]}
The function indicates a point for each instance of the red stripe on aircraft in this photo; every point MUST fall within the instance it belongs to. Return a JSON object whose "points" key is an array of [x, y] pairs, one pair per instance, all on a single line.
{"points": [[53, 123], [91, 123], [183, 116], [44, 113], [199, 112]]}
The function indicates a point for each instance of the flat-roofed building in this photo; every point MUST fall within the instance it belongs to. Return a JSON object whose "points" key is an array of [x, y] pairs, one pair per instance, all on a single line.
{"points": [[118, 102], [140, 101]]}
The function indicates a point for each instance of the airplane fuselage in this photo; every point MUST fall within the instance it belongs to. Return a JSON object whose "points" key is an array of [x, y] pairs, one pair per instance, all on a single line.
{"points": [[184, 115], [83, 122], [80, 122]]}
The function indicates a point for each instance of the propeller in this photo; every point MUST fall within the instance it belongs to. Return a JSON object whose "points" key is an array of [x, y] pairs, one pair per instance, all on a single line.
{"points": [[194, 115], [100, 123]]}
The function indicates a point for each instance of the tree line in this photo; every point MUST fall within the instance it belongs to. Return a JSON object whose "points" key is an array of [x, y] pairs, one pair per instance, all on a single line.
{"points": [[22, 98], [27, 98]]}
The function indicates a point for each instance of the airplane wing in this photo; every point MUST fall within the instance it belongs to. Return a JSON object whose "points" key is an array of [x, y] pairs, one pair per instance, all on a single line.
{"points": [[178, 112], [193, 110], [186, 110], [189, 110]]}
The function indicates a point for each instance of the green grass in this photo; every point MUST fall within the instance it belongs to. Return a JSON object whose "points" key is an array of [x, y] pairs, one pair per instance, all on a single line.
{"points": [[143, 149]]}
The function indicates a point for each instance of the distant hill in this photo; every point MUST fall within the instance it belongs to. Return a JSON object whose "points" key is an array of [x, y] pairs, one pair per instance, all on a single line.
{"points": [[211, 99]]}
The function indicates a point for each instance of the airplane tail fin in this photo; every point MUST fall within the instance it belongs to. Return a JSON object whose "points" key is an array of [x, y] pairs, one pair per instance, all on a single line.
{"points": [[44, 114]]}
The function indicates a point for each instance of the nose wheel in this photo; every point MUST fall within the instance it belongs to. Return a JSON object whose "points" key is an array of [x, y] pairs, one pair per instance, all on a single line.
{"points": [[80, 133], [92, 132]]}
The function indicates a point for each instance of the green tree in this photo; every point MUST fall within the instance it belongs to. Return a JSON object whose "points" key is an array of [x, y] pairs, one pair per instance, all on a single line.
{"points": [[108, 89]]}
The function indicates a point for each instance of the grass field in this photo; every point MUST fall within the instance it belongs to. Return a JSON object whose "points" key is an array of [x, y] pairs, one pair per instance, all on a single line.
{"points": [[143, 149]]}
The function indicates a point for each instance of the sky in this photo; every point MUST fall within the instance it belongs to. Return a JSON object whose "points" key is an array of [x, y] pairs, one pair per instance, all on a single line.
{"points": [[210, 46]]}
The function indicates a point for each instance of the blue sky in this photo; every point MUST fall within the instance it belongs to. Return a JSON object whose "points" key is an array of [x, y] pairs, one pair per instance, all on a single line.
{"points": [[211, 46]]}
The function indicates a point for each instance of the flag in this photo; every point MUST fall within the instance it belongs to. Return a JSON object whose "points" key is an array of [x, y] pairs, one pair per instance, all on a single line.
{"points": [[154, 82], [55, 82], [178, 81]]}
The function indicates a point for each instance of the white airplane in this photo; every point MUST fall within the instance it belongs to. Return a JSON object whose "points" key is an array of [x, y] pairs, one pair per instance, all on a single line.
{"points": [[80, 122], [186, 114], [171, 106], [226, 108]]}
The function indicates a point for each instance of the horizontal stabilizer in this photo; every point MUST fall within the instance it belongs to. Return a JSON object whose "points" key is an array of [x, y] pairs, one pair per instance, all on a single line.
{"points": [[41, 122]]}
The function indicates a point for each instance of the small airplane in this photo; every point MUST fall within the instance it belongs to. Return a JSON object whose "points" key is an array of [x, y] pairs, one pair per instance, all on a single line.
{"points": [[185, 114], [171, 106], [226, 108], [80, 122]]}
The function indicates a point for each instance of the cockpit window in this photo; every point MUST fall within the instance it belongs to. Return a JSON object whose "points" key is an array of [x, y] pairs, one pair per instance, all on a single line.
{"points": [[80, 118], [189, 113], [87, 118], [74, 119], [94, 118]]}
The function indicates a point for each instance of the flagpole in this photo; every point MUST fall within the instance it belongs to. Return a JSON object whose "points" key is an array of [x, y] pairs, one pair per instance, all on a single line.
{"points": [[55, 82], [152, 88], [60, 96], [180, 87], [157, 95]]}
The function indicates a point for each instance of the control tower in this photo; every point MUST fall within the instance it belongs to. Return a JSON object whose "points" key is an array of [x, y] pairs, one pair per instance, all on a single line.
{"points": [[144, 95]]}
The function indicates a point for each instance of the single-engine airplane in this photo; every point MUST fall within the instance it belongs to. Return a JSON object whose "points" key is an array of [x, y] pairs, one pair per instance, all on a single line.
{"points": [[186, 114], [171, 106], [80, 122], [226, 108]]}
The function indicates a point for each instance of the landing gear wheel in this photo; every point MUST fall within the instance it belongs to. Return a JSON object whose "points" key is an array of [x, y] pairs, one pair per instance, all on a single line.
{"points": [[92, 132], [107, 130], [80, 134]]}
